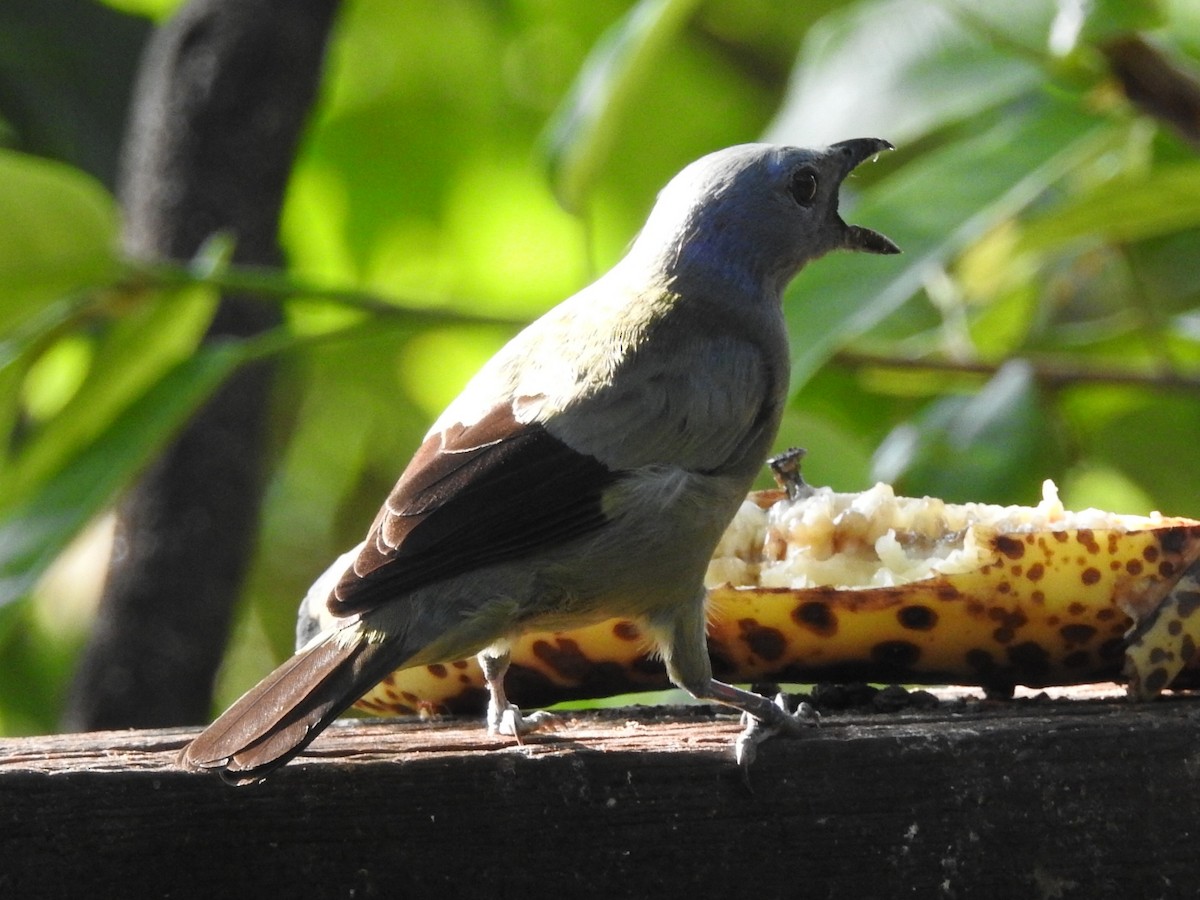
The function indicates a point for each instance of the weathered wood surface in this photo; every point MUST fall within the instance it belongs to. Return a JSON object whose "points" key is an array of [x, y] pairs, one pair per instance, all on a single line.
{"points": [[1059, 799]]}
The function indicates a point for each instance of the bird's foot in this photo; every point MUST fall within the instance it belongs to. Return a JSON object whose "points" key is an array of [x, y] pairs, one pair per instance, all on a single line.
{"points": [[511, 721], [785, 723]]}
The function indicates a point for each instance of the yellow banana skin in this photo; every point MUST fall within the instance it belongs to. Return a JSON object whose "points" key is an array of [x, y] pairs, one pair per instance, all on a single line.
{"points": [[1051, 608], [1045, 607]]}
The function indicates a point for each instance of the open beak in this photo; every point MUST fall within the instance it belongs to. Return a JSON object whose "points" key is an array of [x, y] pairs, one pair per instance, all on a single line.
{"points": [[853, 153]]}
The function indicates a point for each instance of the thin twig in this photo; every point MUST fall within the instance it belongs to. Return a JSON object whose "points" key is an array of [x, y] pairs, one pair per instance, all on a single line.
{"points": [[1050, 373], [274, 284]]}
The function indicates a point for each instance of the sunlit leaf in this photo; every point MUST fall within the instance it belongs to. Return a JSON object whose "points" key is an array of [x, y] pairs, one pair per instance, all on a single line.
{"points": [[580, 135], [57, 376], [151, 9], [899, 69], [37, 666], [991, 446], [933, 208], [35, 529], [1150, 438], [1103, 487], [58, 233], [1125, 209], [134, 352]]}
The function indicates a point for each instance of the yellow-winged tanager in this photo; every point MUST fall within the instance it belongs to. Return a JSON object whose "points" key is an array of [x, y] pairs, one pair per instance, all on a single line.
{"points": [[587, 471]]}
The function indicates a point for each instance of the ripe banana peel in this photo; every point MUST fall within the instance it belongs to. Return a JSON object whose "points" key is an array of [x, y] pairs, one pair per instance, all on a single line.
{"points": [[811, 585]]}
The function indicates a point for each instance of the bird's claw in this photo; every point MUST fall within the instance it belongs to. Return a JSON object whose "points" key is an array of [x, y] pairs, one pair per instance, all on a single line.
{"points": [[510, 721], [755, 731]]}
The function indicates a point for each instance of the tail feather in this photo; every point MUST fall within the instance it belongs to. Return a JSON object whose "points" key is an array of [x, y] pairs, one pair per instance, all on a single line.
{"points": [[280, 716]]}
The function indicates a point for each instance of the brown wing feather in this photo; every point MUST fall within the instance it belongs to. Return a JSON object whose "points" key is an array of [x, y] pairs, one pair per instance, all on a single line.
{"points": [[472, 496], [280, 716]]}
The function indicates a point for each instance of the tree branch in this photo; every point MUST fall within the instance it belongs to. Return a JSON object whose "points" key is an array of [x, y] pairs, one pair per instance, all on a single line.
{"points": [[223, 95], [1050, 373]]}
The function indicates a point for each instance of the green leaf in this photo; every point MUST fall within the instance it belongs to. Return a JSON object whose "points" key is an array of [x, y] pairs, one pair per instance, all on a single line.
{"points": [[37, 668], [34, 530], [1105, 19], [133, 353], [1149, 437], [56, 376], [987, 447], [1101, 486], [1167, 199], [580, 135], [899, 69], [151, 9], [933, 208], [58, 234]]}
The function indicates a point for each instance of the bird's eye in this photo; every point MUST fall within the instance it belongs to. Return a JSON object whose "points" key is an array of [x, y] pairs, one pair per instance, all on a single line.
{"points": [[803, 186]]}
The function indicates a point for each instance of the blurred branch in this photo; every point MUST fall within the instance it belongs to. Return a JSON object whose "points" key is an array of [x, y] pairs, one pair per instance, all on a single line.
{"points": [[1156, 85], [1045, 372], [270, 284], [224, 92]]}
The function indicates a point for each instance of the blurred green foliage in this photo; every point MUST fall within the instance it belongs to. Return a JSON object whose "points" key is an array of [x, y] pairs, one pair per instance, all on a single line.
{"points": [[1044, 320]]}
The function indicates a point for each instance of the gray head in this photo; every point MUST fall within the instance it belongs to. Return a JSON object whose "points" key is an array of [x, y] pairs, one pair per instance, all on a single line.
{"points": [[754, 214]]}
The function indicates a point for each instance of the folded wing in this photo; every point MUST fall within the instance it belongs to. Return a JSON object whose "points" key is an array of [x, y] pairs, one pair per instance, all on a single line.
{"points": [[474, 495]]}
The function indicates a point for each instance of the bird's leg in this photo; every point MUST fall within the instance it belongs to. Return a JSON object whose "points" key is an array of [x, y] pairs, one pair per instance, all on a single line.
{"points": [[504, 717], [762, 718], [685, 652], [766, 720]]}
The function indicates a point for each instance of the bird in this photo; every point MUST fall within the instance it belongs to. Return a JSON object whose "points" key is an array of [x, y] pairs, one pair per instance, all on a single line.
{"points": [[587, 471]]}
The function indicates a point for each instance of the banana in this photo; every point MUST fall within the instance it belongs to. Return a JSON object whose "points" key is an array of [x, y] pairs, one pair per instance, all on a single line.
{"points": [[812, 585]]}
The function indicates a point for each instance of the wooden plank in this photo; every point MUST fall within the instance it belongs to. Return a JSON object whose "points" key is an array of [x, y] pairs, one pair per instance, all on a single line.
{"points": [[1054, 799]]}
